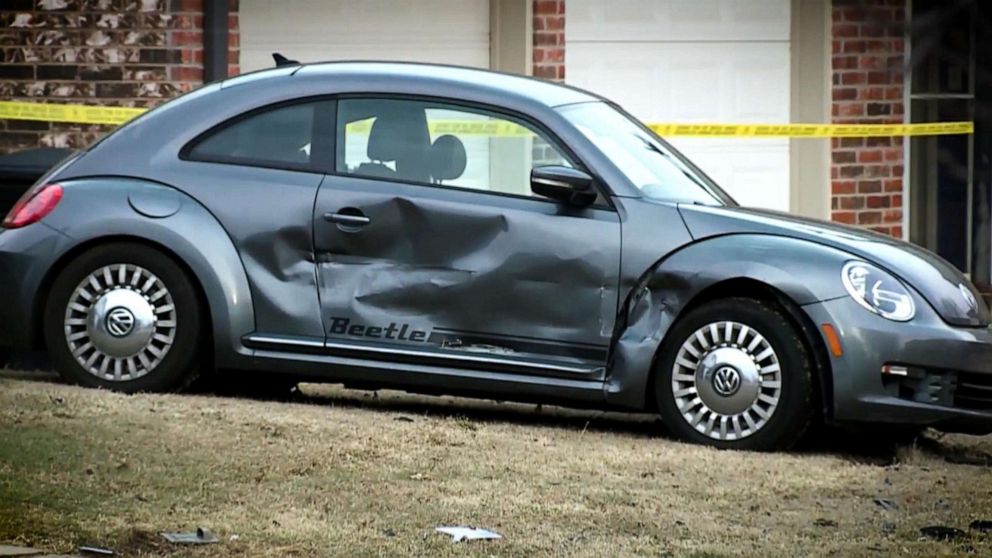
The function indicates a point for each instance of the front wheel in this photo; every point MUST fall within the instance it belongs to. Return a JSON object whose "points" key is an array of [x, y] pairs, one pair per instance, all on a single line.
{"points": [[124, 317], [735, 374]]}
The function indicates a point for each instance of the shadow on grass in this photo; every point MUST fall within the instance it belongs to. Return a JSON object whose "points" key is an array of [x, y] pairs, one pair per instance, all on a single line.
{"points": [[871, 446]]}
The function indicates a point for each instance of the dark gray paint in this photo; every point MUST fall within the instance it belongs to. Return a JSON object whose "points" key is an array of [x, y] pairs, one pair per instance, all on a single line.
{"points": [[594, 291]]}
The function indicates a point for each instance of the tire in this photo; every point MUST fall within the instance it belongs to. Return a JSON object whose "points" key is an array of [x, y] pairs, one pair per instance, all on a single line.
{"points": [[153, 345], [735, 379]]}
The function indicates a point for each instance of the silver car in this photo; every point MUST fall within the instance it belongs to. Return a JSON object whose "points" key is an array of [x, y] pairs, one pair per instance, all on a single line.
{"points": [[451, 230]]}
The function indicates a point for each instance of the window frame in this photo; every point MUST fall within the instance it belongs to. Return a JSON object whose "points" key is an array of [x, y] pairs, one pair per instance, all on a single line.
{"points": [[322, 154], [603, 200]]}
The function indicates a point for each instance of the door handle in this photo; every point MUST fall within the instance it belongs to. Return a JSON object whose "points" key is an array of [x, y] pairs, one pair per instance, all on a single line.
{"points": [[354, 218]]}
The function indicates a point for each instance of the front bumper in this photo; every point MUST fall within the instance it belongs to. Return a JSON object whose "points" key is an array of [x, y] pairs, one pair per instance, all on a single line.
{"points": [[26, 256], [948, 370]]}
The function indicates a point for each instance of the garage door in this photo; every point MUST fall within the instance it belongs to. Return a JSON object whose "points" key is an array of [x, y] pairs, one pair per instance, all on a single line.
{"points": [[444, 31], [694, 61]]}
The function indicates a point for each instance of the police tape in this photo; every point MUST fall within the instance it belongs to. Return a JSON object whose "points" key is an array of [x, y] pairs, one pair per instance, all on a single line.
{"points": [[89, 114], [77, 114]]}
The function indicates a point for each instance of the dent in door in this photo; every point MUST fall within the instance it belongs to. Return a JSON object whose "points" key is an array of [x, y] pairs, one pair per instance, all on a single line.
{"points": [[459, 274]]}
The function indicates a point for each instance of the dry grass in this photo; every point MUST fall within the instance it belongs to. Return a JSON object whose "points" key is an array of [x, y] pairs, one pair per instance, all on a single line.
{"points": [[347, 474]]}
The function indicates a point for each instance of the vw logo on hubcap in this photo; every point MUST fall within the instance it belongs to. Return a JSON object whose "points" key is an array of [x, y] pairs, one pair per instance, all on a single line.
{"points": [[726, 381], [120, 322]]}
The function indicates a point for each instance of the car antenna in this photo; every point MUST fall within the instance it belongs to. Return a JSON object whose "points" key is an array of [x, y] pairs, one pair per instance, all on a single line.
{"points": [[282, 60]]}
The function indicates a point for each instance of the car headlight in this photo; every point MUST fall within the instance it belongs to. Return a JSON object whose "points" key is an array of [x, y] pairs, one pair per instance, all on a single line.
{"points": [[878, 291]]}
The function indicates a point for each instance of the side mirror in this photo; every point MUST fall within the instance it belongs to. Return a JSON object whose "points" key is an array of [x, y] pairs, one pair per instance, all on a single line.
{"points": [[563, 184]]}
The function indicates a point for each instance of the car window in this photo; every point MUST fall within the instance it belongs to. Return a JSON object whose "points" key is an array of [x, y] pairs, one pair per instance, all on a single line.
{"points": [[436, 143], [280, 137]]}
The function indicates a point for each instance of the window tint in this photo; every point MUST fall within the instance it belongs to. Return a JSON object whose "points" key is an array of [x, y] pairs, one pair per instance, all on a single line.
{"points": [[426, 142], [281, 136]]}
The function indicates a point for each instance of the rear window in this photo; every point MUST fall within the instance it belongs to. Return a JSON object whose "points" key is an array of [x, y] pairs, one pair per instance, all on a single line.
{"points": [[280, 137]]}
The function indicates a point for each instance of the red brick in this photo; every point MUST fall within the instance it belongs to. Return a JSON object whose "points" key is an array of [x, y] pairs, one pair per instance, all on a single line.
{"points": [[852, 202], [839, 187], [840, 157], [869, 217], [876, 202], [869, 186], [546, 72], [848, 217], [853, 78], [186, 38], [851, 109], [845, 62], [892, 184], [869, 156], [851, 171], [555, 23], [186, 73], [547, 39], [547, 7], [853, 46], [845, 30], [892, 216]]}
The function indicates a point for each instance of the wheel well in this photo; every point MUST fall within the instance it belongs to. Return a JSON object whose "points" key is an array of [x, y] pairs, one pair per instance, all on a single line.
{"points": [[750, 288], [37, 331]]}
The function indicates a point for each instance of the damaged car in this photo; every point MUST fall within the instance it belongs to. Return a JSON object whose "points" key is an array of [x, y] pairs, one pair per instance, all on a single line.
{"points": [[448, 230]]}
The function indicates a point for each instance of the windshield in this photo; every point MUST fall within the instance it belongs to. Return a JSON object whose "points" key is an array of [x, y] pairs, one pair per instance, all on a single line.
{"points": [[652, 165]]}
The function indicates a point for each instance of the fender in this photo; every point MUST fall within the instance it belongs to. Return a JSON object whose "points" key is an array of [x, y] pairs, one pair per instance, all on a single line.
{"points": [[147, 211], [804, 271]]}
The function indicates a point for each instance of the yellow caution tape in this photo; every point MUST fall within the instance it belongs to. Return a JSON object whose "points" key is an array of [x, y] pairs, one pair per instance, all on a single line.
{"points": [[813, 130], [89, 114], [79, 114]]}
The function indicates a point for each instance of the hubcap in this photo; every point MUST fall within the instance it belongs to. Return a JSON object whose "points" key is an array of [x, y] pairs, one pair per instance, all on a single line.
{"points": [[726, 381], [120, 322]]}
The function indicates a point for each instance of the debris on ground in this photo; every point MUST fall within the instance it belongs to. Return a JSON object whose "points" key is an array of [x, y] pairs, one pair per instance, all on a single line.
{"points": [[96, 550], [200, 536], [983, 525], [824, 522], [468, 533], [886, 504], [888, 527], [942, 533], [403, 419]]}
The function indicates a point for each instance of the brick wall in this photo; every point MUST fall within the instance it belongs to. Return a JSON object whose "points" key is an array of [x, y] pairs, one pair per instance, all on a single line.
{"points": [[549, 39], [133, 53], [868, 84]]}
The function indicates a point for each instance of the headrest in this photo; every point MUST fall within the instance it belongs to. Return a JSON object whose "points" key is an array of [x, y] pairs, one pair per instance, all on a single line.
{"points": [[448, 158], [397, 135]]}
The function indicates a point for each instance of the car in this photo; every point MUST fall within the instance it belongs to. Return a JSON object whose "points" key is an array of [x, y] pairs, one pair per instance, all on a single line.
{"points": [[19, 171], [448, 230]]}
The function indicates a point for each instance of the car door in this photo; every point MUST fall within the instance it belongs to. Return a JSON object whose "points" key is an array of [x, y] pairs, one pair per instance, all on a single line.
{"points": [[430, 245], [259, 174]]}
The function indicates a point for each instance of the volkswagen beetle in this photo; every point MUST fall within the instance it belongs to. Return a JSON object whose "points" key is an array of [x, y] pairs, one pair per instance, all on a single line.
{"points": [[451, 230]]}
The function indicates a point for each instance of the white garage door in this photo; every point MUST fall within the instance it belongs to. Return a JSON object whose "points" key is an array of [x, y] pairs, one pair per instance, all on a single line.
{"points": [[443, 31], [694, 61]]}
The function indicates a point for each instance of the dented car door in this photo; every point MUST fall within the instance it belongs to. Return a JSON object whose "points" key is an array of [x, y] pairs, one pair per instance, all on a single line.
{"points": [[430, 245]]}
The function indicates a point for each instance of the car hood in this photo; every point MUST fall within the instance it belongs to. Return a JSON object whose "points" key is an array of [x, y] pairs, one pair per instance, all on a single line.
{"points": [[939, 282]]}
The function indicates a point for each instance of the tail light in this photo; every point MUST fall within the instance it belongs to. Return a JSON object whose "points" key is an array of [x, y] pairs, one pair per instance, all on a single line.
{"points": [[33, 206]]}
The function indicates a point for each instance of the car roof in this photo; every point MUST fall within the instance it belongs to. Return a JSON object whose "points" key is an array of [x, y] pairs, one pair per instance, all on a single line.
{"points": [[538, 90]]}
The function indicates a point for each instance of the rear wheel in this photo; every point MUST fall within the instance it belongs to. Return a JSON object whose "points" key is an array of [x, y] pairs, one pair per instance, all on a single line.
{"points": [[735, 374], [125, 317]]}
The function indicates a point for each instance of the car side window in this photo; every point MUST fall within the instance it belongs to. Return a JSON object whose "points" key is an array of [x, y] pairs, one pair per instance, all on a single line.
{"points": [[436, 143], [277, 137]]}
